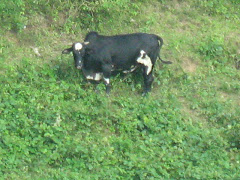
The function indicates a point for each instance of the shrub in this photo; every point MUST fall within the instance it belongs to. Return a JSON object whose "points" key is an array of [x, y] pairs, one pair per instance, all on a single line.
{"points": [[220, 7], [212, 47], [12, 16]]}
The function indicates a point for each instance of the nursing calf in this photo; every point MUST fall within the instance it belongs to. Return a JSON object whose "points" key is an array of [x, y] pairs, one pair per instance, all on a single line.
{"points": [[98, 56]]}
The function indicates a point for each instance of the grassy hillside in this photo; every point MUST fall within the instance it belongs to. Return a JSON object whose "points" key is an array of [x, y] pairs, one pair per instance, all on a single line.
{"points": [[54, 125]]}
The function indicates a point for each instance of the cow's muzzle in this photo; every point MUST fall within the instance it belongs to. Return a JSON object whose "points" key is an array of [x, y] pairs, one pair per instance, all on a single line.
{"points": [[78, 63]]}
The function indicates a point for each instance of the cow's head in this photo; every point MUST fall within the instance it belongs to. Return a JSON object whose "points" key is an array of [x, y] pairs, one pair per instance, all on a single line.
{"points": [[78, 50]]}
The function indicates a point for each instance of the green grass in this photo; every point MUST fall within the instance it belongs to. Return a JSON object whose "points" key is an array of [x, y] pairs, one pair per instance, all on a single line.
{"points": [[54, 125]]}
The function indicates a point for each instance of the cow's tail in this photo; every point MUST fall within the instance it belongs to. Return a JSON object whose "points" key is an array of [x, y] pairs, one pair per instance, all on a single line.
{"points": [[164, 62], [160, 46]]}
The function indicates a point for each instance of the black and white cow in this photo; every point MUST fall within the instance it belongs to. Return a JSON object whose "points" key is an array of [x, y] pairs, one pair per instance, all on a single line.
{"points": [[98, 56]]}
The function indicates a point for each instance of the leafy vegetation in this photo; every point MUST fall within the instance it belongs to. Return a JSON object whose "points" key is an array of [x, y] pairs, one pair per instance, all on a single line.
{"points": [[54, 125]]}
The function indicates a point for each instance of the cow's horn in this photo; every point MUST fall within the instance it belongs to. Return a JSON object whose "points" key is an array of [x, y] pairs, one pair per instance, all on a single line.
{"points": [[86, 43]]}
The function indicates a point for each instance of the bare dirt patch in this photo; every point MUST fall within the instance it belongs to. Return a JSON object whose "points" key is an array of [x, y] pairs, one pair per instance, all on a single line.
{"points": [[189, 65], [230, 97], [12, 37]]}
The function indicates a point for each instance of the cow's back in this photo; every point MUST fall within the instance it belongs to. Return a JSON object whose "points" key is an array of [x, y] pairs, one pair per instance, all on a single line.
{"points": [[122, 49]]}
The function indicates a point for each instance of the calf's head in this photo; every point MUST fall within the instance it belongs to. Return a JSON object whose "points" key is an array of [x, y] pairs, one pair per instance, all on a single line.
{"points": [[78, 50]]}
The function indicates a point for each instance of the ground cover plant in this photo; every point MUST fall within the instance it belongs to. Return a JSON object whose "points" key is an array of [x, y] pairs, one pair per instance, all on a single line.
{"points": [[54, 125]]}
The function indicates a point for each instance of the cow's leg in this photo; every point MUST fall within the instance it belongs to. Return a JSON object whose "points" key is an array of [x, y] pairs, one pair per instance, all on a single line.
{"points": [[147, 66], [107, 84], [148, 79], [107, 68]]}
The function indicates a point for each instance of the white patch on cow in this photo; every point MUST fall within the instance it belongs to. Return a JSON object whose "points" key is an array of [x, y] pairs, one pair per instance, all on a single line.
{"points": [[92, 76], [133, 68], [78, 46], [95, 77], [106, 80], [146, 61]]}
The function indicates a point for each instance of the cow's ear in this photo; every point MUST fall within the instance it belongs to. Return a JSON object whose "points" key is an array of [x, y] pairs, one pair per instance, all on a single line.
{"points": [[86, 43], [67, 51]]}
